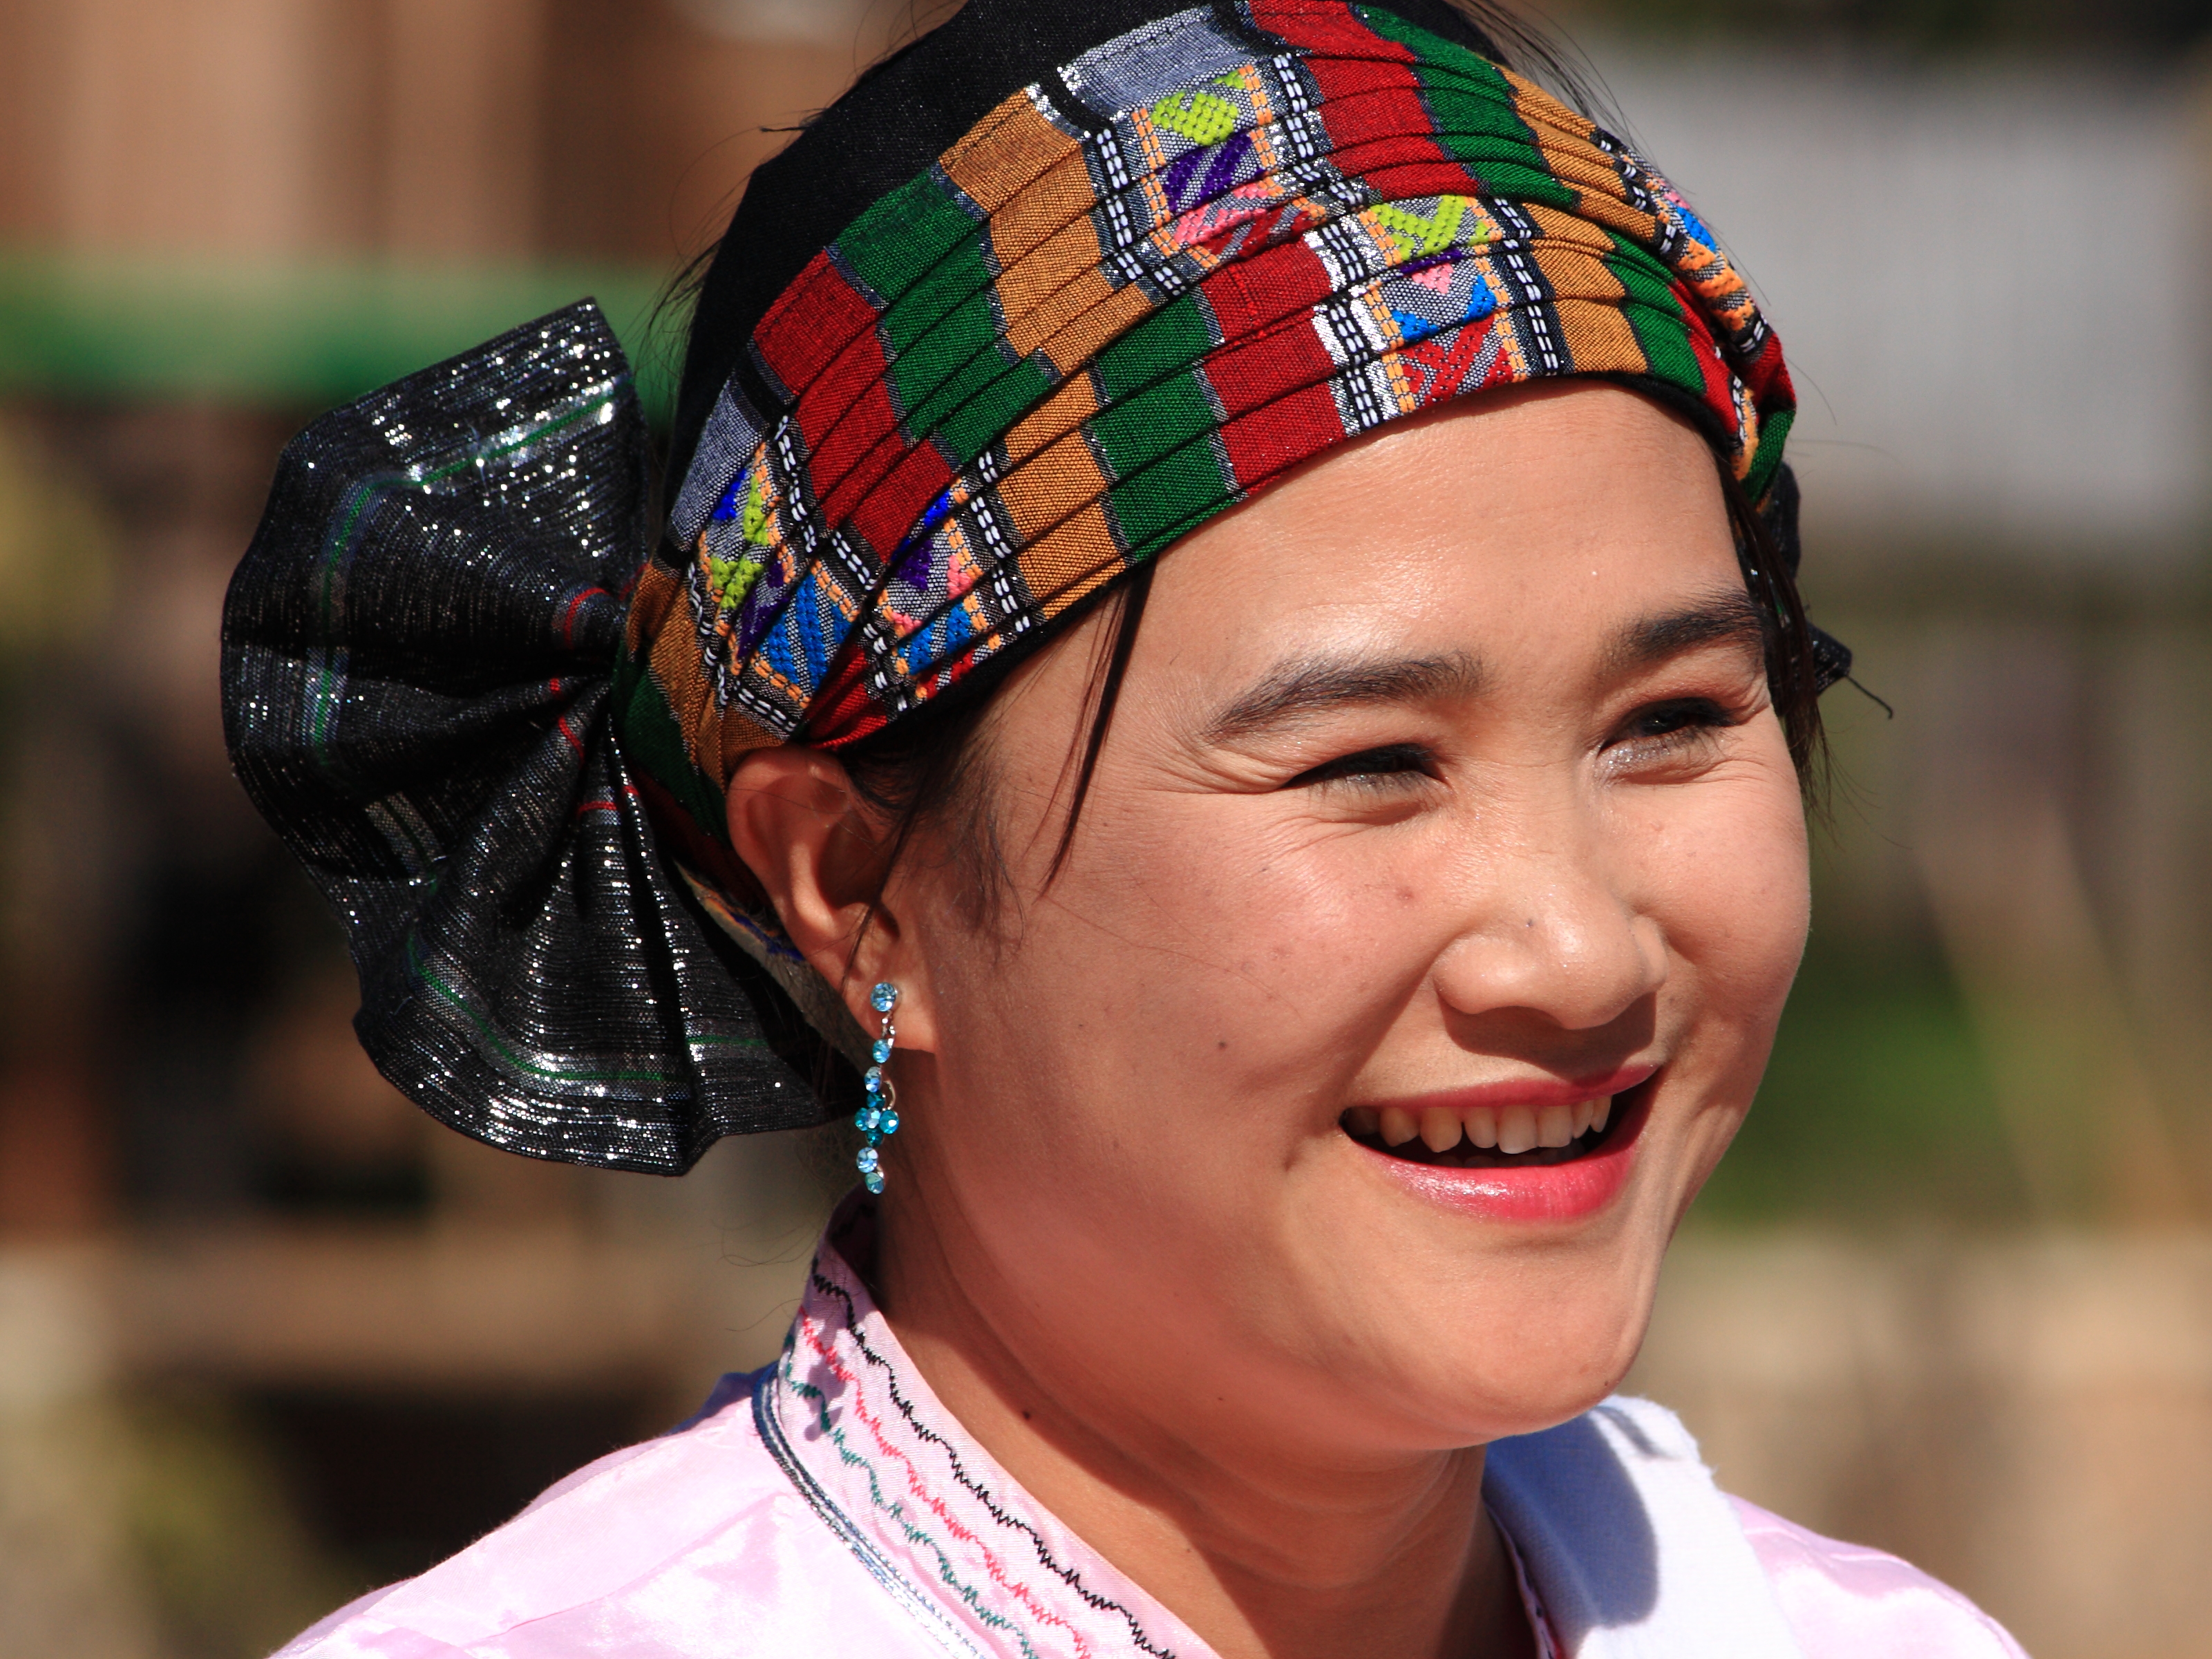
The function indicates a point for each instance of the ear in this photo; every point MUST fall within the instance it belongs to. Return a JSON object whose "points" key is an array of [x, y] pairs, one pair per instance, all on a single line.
{"points": [[800, 825]]}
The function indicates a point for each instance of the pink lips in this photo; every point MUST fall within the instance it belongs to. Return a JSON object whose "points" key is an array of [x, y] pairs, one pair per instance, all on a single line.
{"points": [[1541, 1193]]}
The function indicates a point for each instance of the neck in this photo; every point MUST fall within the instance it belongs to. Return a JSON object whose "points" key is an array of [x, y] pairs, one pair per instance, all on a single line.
{"points": [[1269, 1540]]}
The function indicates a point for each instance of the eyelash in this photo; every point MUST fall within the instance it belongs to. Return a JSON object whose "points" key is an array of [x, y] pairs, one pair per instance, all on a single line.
{"points": [[1680, 721], [1369, 768], [1672, 725]]}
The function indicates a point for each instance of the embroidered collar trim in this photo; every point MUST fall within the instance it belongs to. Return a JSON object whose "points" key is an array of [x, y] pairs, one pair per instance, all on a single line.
{"points": [[927, 1510], [930, 1515]]}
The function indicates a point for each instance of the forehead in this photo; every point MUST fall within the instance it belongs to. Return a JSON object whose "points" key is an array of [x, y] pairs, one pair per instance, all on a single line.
{"points": [[1549, 516]]}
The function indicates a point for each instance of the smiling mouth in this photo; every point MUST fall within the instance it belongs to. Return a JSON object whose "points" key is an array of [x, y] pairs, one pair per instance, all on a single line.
{"points": [[1489, 1137]]}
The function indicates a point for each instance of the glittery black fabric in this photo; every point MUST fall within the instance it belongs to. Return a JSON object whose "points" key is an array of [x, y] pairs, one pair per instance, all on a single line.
{"points": [[418, 651]]}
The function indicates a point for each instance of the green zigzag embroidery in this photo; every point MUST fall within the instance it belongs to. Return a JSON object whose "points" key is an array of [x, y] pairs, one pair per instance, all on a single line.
{"points": [[729, 579], [968, 1593], [1429, 235]]}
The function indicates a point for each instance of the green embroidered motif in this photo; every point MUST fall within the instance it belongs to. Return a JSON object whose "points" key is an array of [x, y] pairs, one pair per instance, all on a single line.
{"points": [[729, 579], [1429, 235], [755, 518], [1198, 116]]}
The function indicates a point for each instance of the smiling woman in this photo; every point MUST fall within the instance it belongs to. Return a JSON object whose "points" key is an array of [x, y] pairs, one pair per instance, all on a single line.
{"points": [[1225, 675]]}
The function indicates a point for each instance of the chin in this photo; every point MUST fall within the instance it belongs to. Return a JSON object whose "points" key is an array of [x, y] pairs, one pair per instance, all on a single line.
{"points": [[1535, 1371], [1512, 1344]]}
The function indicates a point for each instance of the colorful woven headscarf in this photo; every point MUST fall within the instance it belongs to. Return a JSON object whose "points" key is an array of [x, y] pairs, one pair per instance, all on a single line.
{"points": [[1154, 274], [1202, 253]]}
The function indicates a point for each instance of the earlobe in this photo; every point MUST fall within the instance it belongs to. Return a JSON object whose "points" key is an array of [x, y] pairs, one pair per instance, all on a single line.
{"points": [[800, 827]]}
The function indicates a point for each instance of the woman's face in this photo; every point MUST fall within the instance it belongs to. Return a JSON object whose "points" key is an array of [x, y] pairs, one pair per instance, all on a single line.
{"points": [[1444, 792]]}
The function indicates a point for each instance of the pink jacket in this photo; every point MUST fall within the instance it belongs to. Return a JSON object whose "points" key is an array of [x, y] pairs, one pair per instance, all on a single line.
{"points": [[829, 1506]]}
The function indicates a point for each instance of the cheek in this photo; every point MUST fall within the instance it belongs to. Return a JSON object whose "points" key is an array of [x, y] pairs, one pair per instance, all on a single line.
{"points": [[1118, 1083], [1271, 947], [1728, 881], [1197, 967]]}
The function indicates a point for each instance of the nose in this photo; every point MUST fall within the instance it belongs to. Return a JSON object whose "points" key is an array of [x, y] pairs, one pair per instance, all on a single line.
{"points": [[1553, 933]]}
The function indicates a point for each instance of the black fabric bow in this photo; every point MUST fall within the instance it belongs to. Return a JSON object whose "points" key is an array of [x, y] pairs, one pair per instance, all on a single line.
{"points": [[417, 659]]}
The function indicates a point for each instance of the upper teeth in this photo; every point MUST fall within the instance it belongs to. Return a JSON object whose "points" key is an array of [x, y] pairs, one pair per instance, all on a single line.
{"points": [[1507, 1128]]}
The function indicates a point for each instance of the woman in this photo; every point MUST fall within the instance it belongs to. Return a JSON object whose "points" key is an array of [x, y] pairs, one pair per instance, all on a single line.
{"points": [[1287, 990]]}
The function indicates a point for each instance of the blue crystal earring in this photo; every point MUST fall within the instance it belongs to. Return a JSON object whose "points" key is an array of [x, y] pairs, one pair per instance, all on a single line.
{"points": [[880, 1117]]}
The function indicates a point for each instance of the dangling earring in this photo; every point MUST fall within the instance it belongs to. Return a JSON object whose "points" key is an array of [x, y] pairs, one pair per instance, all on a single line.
{"points": [[880, 1117]]}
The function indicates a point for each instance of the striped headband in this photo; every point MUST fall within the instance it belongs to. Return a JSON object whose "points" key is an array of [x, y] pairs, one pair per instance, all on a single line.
{"points": [[1209, 250], [931, 408]]}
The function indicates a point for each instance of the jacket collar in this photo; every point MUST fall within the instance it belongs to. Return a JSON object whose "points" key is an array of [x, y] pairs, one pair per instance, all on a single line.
{"points": [[930, 1515]]}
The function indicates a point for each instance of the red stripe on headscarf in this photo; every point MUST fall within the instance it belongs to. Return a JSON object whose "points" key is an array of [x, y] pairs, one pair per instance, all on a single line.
{"points": [[810, 323], [892, 508], [1719, 397], [1278, 436], [1280, 364], [1371, 100], [1284, 281]]}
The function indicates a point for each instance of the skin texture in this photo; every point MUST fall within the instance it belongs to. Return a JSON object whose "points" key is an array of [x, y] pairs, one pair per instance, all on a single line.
{"points": [[1124, 1235]]}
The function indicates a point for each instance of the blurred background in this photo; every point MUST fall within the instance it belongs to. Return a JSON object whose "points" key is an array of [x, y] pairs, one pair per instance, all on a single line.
{"points": [[267, 1340]]}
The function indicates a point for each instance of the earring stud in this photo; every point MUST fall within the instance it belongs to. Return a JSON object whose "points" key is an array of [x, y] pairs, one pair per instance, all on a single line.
{"points": [[878, 1118]]}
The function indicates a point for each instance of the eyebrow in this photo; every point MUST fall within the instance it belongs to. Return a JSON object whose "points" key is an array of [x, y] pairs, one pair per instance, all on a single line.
{"points": [[1299, 689], [1731, 616], [1296, 690]]}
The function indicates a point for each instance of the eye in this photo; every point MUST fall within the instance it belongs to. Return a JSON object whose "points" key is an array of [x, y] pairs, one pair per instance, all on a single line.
{"points": [[1664, 720], [1659, 728], [1371, 768]]}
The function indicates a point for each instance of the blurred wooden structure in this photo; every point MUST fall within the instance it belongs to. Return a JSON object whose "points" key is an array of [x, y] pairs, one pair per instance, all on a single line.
{"points": [[321, 194], [2030, 1420], [217, 215], [442, 130]]}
